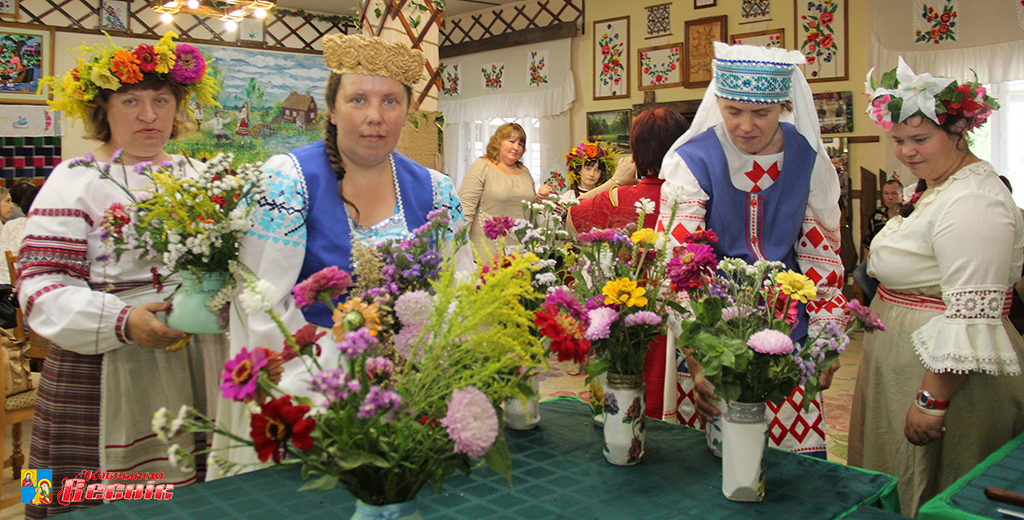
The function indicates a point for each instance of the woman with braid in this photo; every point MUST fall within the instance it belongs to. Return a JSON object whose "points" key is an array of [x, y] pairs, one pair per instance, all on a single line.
{"points": [[352, 186]]}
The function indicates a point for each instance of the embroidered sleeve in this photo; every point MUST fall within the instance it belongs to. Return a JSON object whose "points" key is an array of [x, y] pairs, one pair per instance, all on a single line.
{"points": [[817, 250], [976, 265], [55, 270], [682, 207], [445, 198]]}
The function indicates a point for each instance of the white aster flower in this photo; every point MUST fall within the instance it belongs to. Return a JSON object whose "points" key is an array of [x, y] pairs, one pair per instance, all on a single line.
{"points": [[256, 298], [160, 423]]}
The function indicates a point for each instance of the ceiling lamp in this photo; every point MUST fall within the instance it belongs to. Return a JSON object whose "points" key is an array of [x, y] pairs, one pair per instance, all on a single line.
{"points": [[227, 10]]}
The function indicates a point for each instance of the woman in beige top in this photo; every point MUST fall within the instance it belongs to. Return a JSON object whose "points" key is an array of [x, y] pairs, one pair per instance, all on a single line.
{"points": [[496, 186]]}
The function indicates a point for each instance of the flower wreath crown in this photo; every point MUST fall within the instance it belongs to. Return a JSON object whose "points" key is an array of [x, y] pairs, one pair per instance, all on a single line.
{"points": [[111, 67], [903, 94], [591, 151]]}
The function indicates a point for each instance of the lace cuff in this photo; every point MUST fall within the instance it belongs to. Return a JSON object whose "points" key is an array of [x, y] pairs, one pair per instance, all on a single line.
{"points": [[970, 336]]}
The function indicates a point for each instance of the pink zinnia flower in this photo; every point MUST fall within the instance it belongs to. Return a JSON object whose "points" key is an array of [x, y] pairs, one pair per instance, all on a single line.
{"points": [[601, 320], [471, 422], [643, 318], [498, 227], [189, 66], [327, 279], [563, 298], [868, 318], [770, 341], [241, 373], [692, 263]]}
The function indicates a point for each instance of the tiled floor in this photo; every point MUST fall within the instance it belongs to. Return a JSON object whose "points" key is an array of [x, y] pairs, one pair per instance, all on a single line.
{"points": [[557, 382]]}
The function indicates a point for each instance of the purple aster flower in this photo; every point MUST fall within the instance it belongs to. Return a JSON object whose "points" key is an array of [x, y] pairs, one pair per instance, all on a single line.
{"points": [[643, 318], [143, 166], [601, 320], [770, 341], [241, 373], [356, 342], [377, 401], [718, 290], [330, 384], [564, 298], [497, 227], [378, 366], [602, 235], [471, 422], [189, 67]]}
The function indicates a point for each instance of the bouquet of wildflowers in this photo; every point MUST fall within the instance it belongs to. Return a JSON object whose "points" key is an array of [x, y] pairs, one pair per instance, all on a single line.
{"points": [[617, 302], [386, 426], [741, 319], [542, 237], [189, 222]]}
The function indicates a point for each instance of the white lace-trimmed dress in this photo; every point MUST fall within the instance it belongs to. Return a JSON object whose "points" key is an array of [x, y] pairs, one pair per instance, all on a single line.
{"points": [[98, 390], [944, 272], [300, 210]]}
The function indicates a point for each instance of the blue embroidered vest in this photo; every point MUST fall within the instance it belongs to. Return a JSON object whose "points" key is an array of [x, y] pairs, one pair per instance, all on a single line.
{"points": [[780, 208], [329, 238]]}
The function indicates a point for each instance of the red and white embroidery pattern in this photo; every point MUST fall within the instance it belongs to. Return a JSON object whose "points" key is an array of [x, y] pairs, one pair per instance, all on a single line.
{"points": [[32, 299], [54, 254], [762, 178], [122, 317], [62, 212]]}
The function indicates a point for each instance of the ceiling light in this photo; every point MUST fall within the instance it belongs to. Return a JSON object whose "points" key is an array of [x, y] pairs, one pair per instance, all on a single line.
{"points": [[166, 18], [260, 13], [230, 25]]}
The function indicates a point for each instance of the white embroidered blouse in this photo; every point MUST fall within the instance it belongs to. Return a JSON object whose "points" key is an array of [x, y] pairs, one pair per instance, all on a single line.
{"points": [[965, 242]]}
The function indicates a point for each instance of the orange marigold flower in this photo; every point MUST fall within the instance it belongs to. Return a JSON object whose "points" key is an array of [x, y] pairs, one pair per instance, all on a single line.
{"points": [[125, 66], [591, 150]]}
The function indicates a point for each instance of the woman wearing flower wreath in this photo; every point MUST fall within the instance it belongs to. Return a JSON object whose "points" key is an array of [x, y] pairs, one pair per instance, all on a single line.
{"points": [[107, 370], [940, 389], [352, 186], [590, 165], [753, 169], [496, 185]]}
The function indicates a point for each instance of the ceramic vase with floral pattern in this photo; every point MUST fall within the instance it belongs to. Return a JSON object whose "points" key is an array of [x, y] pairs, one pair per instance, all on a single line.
{"points": [[744, 441], [189, 312], [597, 386], [625, 420], [518, 417], [404, 511], [713, 428]]}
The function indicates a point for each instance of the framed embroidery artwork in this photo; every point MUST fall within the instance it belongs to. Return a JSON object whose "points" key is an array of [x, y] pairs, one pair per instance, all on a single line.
{"points": [[493, 76], [698, 48], [658, 21], [114, 15], [704, 4], [835, 111], [660, 67], [9, 9], [611, 58], [756, 11], [450, 79], [771, 38], [537, 68], [250, 32], [822, 37], [29, 59]]}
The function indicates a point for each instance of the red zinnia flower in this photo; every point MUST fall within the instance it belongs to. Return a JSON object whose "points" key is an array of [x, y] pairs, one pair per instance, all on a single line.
{"points": [[565, 332], [147, 57], [277, 422], [305, 338]]}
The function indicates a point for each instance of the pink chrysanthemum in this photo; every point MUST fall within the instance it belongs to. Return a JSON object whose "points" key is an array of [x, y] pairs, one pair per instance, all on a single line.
{"points": [[770, 341], [643, 318], [691, 263], [498, 227], [471, 422], [241, 373], [601, 320], [327, 279], [413, 308], [189, 66]]}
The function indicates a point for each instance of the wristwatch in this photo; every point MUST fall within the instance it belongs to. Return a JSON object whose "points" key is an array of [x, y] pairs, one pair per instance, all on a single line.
{"points": [[926, 401]]}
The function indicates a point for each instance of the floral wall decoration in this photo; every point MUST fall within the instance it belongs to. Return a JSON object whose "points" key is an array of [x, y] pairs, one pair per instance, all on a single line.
{"points": [[821, 35], [611, 51], [450, 80], [660, 66], [756, 11], [493, 76], [772, 38], [658, 22], [935, 22], [538, 73]]}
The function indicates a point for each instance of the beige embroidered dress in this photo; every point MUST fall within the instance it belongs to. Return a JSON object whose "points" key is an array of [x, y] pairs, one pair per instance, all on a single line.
{"points": [[486, 193], [963, 247]]}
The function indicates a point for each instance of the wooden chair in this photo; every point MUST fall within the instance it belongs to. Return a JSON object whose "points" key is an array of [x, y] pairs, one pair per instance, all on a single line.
{"points": [[18, 408]]}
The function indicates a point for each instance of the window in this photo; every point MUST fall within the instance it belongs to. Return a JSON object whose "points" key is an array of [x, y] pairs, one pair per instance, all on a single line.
{"points": [[1002, 140]]}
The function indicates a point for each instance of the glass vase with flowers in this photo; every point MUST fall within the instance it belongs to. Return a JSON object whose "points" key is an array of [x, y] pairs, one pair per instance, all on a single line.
{"points": [[741, 317], [190, 222], [412, 398]]}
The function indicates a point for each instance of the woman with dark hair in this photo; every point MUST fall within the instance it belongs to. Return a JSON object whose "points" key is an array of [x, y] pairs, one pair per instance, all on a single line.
{"points": [[940, 389], [107, 370], [612, 203], [496, 185], [352, 187], [590, 164]]}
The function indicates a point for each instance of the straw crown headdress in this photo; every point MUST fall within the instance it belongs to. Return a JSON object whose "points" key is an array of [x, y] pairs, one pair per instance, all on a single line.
{"points": [[358, 54]]}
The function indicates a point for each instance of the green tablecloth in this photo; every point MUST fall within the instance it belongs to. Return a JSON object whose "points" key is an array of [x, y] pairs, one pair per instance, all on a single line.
{"points": [[559, 471], [965, 499]]}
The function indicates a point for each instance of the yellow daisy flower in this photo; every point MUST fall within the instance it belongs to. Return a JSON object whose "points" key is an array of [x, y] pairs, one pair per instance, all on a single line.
{"points": [[103, 78], [800, 287], [624, 291], [354, 314], [644, 235]]}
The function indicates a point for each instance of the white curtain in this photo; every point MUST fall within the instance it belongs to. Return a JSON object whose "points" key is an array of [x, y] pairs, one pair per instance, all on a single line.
{"points": [[472, 115]]}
